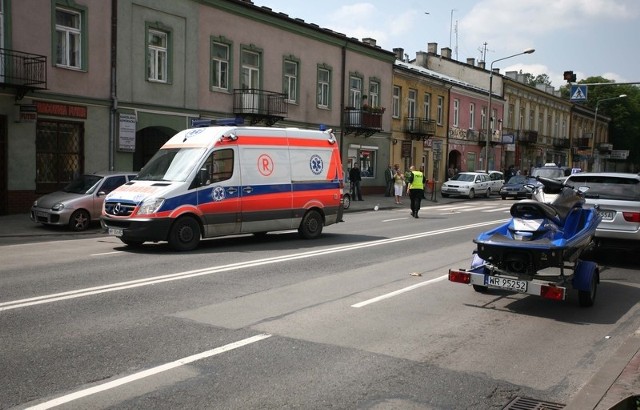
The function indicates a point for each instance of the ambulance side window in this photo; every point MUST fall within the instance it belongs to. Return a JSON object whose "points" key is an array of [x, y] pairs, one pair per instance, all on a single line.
{"points": [[219, 166]]}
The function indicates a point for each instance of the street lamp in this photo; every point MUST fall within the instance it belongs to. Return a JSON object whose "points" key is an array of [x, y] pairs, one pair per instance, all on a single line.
{"points": [[593, 132], [486, 148]]}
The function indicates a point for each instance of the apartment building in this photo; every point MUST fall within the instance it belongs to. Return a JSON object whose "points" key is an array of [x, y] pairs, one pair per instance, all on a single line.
{"points": [[91, 85]]}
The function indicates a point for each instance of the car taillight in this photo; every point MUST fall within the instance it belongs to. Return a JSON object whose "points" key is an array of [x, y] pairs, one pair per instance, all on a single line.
{"points": [[552, 292], [459, 276], [631, 216]]}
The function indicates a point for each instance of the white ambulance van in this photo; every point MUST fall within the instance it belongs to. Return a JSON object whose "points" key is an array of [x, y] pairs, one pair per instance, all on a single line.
{"points": [[224, 180]]}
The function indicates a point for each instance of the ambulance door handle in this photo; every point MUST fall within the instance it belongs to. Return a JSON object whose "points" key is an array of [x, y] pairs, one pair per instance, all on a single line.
{"points": [[247, 190], [231, 190]]}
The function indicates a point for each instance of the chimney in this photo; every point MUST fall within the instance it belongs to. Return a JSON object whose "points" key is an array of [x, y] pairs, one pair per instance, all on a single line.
{"points": [[496, 71], [421, 59], [432, 48], [446, 52], [471, 61], [370, 41], [481, 64], [399, 53]]}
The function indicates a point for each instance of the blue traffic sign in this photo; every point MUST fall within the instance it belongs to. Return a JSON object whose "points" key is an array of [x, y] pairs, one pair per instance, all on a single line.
{"points": [[578, 92]]}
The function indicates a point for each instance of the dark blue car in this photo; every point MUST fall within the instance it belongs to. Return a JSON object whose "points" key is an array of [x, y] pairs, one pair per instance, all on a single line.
{"points": [[518, 186]]}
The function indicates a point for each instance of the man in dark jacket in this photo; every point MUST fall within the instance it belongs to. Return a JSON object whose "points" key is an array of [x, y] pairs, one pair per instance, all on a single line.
{"points": [[355, 177]]}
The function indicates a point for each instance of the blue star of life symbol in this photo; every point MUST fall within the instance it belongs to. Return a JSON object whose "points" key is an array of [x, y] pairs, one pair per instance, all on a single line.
{"points": [[316, 164], [218, 193]]}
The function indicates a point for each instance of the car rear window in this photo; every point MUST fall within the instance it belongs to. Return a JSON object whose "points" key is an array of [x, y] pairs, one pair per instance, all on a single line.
{"points": [[608, 187]]}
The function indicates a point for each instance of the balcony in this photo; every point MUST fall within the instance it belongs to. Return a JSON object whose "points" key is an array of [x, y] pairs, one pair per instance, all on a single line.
{"points": [[362, 122], [419, 128], [561, 143], [584, 143], [260, 106], [494, 139], [22, 71], [528, 137]]}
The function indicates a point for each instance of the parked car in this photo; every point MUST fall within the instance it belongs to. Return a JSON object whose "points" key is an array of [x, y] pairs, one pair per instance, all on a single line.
{"points": [[80, 202], [496, 179], [467, 184], [551, 171], [518, 186], [346, 197], [617, 196]]}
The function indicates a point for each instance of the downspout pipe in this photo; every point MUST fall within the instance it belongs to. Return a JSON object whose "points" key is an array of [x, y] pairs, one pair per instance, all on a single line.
{"points": [[114, 97], [342, 90]]}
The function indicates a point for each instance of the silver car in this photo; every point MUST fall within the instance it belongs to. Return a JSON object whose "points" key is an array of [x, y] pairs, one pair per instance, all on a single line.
{"points": [[617, 196], [80, 202], [469, 184]]}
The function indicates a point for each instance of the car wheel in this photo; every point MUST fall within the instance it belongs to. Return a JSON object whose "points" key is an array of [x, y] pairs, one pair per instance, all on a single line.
{"points": [[488, 194], [79, 220], [132, 243], [504, 197], [346, 201], [311, 225], [444, 195], [472, 193], [184, 234]]}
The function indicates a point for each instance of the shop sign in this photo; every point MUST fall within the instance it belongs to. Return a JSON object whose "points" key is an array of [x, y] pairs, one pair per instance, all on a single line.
{"points": [[61, 110], [127, 134], [28, 113]]}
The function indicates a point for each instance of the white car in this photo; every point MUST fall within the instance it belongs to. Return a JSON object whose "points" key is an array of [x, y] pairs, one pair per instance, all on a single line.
{"points": [[468, 184], [496, 178]]}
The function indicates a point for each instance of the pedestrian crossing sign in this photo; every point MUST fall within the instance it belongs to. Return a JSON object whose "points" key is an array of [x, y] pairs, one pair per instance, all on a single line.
{"points": [[578, 92]]}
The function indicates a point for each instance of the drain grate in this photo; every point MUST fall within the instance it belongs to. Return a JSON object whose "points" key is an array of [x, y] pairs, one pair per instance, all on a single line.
{"points": [[525, 403]]}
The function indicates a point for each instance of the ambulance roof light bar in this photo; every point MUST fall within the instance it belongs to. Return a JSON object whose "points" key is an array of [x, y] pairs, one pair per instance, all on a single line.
{"points": [[221, 121]]}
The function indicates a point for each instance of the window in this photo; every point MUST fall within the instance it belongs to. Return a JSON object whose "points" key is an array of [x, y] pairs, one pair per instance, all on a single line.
{"points": [[456, 112], [59, 148], [218, 167], [290, 81], [220, 55], [68, 38], [427, 106], [355, 91], [374, 93], [365, 158], [157, 55], [483, 117], [440, 110], [324, 87], [510, 119], [472, 116], [250, 70], [396, 102]]}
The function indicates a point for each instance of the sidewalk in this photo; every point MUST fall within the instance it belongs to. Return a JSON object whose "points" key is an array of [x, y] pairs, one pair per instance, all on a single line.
{"points": [[617, 380]]}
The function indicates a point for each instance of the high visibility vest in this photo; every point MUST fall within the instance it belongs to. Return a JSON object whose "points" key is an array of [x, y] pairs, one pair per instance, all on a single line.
{"points": [[417, 182]]}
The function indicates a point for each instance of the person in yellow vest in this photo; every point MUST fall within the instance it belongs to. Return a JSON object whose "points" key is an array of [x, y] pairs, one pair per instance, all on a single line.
{"points": [[415, 189]]}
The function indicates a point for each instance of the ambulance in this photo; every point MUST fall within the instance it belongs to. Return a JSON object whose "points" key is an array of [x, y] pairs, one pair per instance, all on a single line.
{"points": [[225, 180]]}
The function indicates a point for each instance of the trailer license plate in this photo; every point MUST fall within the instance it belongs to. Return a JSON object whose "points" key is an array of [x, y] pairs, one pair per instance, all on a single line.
{"points": [[115, 231], [506, 283]]}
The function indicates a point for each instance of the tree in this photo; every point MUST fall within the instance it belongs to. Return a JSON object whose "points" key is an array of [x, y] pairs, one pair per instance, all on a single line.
{"points": [[532, 80]]}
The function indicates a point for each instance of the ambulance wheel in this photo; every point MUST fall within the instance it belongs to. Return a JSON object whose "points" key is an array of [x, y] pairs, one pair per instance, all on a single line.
{"points": [[79, 220], [184, 234], [311, 225], [131, 243], [586, 298]]}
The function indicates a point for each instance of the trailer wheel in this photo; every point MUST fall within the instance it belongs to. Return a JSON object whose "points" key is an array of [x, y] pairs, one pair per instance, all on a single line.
{"points": [[586, 298], [184, 234], [311, 225], [480, 288]]}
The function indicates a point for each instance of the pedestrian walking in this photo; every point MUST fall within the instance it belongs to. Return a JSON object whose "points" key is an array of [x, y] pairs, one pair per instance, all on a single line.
{"points": [[415, 189], [355, 176]]}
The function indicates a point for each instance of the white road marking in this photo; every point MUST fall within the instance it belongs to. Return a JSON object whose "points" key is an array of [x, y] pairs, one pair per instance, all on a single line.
{"points": [[146, 373], [113, 287], [399, 291], [106, 253]]}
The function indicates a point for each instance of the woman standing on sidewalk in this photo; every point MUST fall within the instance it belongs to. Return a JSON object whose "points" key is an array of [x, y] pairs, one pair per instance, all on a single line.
{"points": [[398, 184]]}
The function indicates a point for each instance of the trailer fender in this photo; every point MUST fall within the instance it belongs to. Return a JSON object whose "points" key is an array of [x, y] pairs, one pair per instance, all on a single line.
{"points": [[477, 264], [584, 274]]}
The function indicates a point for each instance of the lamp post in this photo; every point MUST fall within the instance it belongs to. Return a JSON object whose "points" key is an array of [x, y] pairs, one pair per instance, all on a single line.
{"points": [[593, 132], [486, 148]]}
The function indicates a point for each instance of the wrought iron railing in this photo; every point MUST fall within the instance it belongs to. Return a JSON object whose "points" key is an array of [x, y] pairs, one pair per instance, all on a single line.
{"points": [[22, 69], [254, 101]]}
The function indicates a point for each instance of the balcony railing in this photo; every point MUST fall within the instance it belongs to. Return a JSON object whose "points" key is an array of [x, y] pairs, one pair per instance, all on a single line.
{"points": [[359, 121], [528, 137], [561, 143], [419, 128], [22, 71], [260, 105]]}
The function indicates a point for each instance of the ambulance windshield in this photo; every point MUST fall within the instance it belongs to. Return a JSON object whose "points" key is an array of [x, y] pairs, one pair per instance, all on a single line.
{"points": [[173, 164]]}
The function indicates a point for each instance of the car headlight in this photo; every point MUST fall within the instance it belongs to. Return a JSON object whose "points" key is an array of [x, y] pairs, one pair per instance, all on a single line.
{"points": [[58, 206], [150, 206]]}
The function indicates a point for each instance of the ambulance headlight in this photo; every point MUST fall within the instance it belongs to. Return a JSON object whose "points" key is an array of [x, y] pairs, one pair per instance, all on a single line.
{"points": [[150, 206]]}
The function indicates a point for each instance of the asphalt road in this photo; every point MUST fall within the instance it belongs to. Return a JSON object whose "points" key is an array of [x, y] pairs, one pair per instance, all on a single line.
{"points": [[361, 318]]}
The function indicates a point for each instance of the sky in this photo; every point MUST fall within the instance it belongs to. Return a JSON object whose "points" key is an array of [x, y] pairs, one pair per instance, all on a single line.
{"points": [[589, 37]]}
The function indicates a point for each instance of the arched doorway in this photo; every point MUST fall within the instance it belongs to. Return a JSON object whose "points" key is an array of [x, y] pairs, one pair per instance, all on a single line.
{"points": [[454, 161], [148, 142]]}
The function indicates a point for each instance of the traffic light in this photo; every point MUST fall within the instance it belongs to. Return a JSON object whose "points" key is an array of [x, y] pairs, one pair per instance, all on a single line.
{"points": [[569, 76]]}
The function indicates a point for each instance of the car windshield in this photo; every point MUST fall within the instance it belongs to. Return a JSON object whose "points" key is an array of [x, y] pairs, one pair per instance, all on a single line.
{"points": [[464, 177], [608, 187], [518, 179], [173, 164], [550, 173], [83, 185]]}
